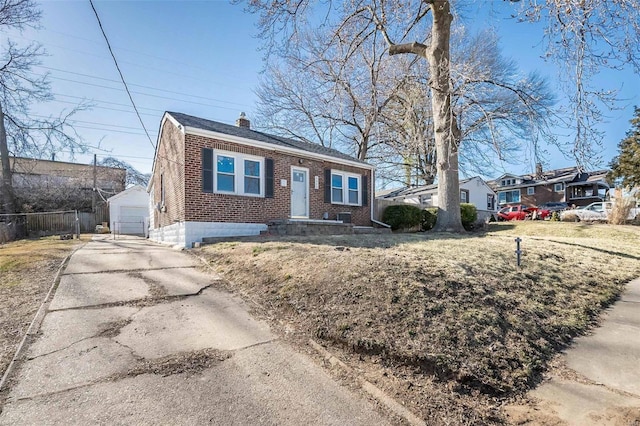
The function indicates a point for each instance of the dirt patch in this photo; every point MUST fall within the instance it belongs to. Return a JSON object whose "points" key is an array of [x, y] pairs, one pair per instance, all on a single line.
{"points": [[531, 415], [28, 268], [447, 323], [189, 363], [623, 416], [155, 290], [112, 329]]}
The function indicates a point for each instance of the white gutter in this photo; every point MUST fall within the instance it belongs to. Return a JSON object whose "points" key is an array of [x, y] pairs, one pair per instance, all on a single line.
{"points": [[372, 193], [373, 199], [384, 225]]}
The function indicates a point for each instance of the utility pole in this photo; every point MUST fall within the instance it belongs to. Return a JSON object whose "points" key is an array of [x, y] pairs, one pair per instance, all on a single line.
{"points": [[95, 186]]}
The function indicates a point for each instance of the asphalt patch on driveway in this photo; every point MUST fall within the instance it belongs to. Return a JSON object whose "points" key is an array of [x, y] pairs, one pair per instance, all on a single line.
{"points": [[112, 328], [189, 363], [155, 289]]}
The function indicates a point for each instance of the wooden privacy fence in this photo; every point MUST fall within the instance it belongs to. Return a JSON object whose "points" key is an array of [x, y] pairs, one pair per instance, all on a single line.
{"points": [[54, 223], [51, 223]]}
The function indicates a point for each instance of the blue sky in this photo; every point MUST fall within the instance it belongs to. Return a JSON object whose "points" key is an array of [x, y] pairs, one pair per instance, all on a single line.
{"points": [[202, 58]]}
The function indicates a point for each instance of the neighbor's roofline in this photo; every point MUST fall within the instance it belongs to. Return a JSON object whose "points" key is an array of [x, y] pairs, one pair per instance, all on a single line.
{"points": [[123, 193], [44, 160], [430, 189]]}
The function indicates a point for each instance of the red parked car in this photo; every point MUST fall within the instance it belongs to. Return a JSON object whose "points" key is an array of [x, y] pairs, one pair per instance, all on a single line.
{"points": [[522, 212]]}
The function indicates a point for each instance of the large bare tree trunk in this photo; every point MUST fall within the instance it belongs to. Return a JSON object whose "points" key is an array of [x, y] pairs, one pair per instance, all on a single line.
{"points": [[447, 133], [6, 185]]}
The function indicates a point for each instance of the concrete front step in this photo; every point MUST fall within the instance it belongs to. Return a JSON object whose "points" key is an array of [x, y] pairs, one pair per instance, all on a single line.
{"points": [[370, 230]]}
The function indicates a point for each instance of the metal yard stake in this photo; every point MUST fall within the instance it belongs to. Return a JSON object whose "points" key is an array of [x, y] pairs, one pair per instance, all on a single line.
{"points": [[518, 251]]}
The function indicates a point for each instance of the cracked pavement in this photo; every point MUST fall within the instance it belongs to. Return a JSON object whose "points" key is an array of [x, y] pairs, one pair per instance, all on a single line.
{"points": [[137, 334]]}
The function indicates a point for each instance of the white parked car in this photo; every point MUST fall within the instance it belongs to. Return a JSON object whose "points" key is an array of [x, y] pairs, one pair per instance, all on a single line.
{"points": [[599, 211]]}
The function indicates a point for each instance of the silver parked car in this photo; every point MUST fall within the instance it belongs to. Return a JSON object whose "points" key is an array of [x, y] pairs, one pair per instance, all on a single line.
{"points": [[595, 212]]}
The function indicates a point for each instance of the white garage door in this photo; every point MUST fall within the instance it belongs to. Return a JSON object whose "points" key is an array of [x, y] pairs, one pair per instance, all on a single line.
{"points": [[131, 220]]}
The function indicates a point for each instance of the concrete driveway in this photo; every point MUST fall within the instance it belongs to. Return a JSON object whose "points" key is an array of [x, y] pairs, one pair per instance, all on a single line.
{"points": [[136, 334]]}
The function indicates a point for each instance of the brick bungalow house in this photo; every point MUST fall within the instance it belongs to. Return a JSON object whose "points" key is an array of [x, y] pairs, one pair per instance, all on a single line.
{"points": [[569, 185], [212, 179]]}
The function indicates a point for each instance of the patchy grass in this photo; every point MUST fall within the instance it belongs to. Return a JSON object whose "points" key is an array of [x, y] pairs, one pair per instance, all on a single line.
{"points": [[448, 323], [27, 270]]}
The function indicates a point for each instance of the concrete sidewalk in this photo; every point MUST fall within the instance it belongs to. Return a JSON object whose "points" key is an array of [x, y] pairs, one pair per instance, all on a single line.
{"points": [[135, 334], [598, 381]]}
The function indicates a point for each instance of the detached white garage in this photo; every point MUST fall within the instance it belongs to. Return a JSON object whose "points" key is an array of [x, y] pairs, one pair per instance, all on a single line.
{"points": [[129, 211]]}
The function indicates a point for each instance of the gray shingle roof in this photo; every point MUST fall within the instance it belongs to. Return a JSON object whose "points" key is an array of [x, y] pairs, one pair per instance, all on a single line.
{"points": [[243, 132], [566, 175], [413, 190]]}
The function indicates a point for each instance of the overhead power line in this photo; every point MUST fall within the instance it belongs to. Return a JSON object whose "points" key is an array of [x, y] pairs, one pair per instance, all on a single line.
{"points": [[115, 61], [110, 130], [73, 120], [135, 64], [141, 93], [104, 107], [84, 98], [141, 86]]}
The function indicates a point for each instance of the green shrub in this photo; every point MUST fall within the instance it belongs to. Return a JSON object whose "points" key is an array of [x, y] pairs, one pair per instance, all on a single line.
{"points": [[429, 217], [402, 216], [469, 215]]}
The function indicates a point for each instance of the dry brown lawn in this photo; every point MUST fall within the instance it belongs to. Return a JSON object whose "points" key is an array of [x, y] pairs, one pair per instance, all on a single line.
{"points": [[27, 270], [447, 323]]}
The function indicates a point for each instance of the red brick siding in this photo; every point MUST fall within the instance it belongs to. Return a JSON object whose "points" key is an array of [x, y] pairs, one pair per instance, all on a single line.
{"points": [[543, 194], [208, 207], [170, 164]]}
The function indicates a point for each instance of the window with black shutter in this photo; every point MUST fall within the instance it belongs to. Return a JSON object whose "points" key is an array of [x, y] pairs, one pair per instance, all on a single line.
{"points": [[327, 185], [365, 191], [268, 178], [207, 170]]}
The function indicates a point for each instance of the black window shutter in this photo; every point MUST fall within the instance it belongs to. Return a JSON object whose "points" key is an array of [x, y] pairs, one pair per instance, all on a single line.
{"points": [[327, 185], [268, 177], [207, 170], [365, 191]]}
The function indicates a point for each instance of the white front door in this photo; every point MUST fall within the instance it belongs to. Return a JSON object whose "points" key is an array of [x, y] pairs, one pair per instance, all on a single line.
{"points": [[299, 192]]}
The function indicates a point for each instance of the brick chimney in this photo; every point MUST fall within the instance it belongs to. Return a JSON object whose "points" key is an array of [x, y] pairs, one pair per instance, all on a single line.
{"points": [[538, 170], [242, 121]]}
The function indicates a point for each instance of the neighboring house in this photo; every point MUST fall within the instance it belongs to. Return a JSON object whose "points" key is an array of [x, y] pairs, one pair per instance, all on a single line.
{"points": [[568, 185], [212, 179], [473, 190], [129, 211], [45, 185]]}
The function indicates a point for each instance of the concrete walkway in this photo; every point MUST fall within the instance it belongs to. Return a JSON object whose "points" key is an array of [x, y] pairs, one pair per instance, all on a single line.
{"points": [[135, 334], [598, 381]]}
